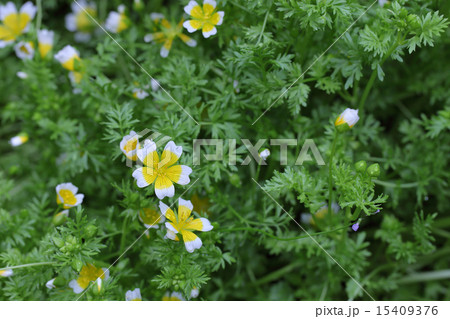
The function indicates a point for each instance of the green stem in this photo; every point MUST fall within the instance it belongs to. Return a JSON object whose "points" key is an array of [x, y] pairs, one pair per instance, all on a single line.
{"points": [[30, 265], [394, 185], [39, 15], [330, 176], [281, 238], [264, 24], [124, 233], [425, 276], [279, 273], [373, 76]]}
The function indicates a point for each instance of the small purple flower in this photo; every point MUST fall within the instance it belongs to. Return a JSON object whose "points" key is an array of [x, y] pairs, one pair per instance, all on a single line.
{"points": [[355, 227], [377, 211]]}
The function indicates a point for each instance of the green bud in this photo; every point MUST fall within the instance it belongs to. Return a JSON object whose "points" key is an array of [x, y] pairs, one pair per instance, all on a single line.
{"points": [[90, 231], [77, 265], [59, 282], [361, 166], [138, 5], [342, 128], [374, 170], [235, 180], [59, 219], [58, 242], [177, 287]]}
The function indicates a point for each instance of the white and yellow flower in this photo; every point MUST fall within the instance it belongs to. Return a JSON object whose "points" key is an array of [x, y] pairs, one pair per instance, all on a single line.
{"points": [[6, 273], [66, 194], [22, 75], [50, 284], [194, 292], [117, 21], [167, 34], [348, 118], [161, 172], [205, 18], [264, 154], [45, 42], [150, 217], [14, 23], [67, 57], [185, 224], [174, 296], [87, 274], [133, 295], [129, 145], [24, 50], [79, 21], [139, 93], [18, 140]]}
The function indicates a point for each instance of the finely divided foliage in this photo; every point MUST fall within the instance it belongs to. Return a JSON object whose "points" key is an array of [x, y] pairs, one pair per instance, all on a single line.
{"points": [[77, 221]]}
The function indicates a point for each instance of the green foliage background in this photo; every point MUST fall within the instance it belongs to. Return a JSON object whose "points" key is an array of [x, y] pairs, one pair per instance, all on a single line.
{"points": [[392, 65]]}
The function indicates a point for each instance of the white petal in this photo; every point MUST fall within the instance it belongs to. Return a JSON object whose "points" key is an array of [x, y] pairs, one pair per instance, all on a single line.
{"points": [[71, 22], [29, 9], [190, 6], [186, 203], [156, 16], [171, 228], [79, 198], [206, 224], [106, 272], [139, 176], [221, 14], [187, 26], [75, 286], [184, 176], [171, 235], [7, 9], [50, 284], [211, 2], [164, 52], [163, 208], [148, 37], [149, 147], [210, 33], [165, 192], [177, 150], [193, 245]]}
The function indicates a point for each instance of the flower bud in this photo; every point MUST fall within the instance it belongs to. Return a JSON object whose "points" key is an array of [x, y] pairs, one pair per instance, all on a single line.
{"points": [[235, 180], [77, 265], [58, 242], [374, 170], [90, 231], [346, 120], [60, 218], [361, 166]]}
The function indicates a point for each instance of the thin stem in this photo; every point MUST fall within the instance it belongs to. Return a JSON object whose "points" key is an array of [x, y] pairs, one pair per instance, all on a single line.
{"points": [[394, 185], [124, 233], [39, 15], [264, 24], [279, 273], [330, 176], [425, 276], [373, 76], [281, 238], [30, 265]]}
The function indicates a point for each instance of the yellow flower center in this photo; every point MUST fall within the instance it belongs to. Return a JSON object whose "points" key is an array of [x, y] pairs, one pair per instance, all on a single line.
{"points": [[68, 198], [89, 273], [83, 21], [149, 216]]}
